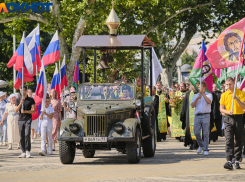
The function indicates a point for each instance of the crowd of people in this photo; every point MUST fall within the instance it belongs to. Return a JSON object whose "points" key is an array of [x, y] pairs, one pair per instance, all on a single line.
{"points": [[196, 117], [17, 126], [186, 112]]}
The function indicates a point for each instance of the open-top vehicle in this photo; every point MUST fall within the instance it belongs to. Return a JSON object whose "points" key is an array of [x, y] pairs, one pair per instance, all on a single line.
{"points": [[108, 116], [111, 115]]}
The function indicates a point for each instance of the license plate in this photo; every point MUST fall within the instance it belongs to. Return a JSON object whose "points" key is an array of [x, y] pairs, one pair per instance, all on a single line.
{"points": [[94, 139]]}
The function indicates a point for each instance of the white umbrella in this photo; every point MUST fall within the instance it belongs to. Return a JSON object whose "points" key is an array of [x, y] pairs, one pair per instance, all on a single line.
{"points": [[3, 84]]}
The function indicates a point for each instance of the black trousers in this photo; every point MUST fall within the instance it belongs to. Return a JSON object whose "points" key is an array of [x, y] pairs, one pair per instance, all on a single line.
{"points": [[234, 126], [25, 132]]}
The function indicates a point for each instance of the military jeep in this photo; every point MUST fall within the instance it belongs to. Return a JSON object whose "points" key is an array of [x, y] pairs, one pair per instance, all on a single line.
{"points": [[109, 116]]}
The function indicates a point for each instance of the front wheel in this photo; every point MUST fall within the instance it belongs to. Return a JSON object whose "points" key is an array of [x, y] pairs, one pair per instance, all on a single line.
{"points": [[134, 148], [66, 152]]}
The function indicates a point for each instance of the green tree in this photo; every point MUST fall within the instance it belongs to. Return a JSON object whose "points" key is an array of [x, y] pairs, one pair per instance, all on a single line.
{"points": [[161, 20], [72, 18], [189, 58]]}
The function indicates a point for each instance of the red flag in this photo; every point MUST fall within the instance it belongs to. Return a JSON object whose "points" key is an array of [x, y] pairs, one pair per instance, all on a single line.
{"points": [[226, 50]]}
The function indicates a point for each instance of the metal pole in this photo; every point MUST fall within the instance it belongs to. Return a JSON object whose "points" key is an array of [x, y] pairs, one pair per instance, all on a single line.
{"points": [[151, 71], [14, 71], [84, 65], [22, 85], [64, 92], [36, 74], [60, 81], [142, 80], [225, 81], [235, 84], [201, 76], [94, 65]]}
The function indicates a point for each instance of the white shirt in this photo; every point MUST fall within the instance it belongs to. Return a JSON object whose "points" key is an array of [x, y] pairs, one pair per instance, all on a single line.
{"points": [[202, 106], [46, 120]]}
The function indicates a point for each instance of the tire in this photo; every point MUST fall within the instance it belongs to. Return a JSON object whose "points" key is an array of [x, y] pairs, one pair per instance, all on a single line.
{"points": [[88, 153], [134, 148], [66, 152], [149, 144], [146, 124]]}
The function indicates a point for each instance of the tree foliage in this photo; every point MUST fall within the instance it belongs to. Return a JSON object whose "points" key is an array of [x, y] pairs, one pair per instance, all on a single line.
{"points": [[189, 58], [161, 20]]}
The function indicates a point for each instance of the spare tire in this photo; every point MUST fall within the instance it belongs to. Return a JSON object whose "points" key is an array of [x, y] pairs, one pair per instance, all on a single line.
{"points": [[148, 123]]}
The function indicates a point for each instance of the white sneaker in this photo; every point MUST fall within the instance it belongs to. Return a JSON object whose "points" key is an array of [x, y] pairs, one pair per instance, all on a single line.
{"points": [[28, 154], [22, 155], [42, 153], [35, 136], [50, 153], [199, 150], [205, 153], [32, 141]]}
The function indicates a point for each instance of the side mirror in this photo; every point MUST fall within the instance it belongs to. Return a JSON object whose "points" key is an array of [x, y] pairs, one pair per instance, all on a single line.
{"points": [[139, 96]]}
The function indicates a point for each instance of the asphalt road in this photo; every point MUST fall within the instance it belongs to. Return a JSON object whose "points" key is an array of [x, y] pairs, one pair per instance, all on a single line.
{"points": [[172, 162]]}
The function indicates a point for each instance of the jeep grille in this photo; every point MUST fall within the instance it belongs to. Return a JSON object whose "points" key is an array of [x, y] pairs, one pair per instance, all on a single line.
{"points": [[96, 126]]}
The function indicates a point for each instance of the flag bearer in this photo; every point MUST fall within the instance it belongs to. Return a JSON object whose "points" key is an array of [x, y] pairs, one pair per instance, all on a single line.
{"points": [[233, 122]]}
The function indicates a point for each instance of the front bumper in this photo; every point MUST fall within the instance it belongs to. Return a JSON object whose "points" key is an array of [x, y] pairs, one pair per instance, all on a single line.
{"points": [[109, 139]]}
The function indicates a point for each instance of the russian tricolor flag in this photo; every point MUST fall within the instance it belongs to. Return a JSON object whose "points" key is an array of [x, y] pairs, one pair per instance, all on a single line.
{"points": [[18, 81], [35, 54], [63, 74], [55, 84], [22, 58], [40, 94], [36, 33], [52, 52]]}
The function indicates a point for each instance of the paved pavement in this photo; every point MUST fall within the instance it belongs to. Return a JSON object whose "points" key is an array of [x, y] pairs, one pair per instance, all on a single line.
{"points": [[172, 162]]}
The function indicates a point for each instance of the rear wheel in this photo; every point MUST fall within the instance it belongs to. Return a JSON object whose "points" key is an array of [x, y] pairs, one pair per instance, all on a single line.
{"points": [[88, 153], [149, 144], [134, 148], [66, 152], [147, 125]]}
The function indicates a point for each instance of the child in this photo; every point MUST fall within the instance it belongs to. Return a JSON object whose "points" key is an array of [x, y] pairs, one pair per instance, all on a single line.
{"points": [[46, 127]]}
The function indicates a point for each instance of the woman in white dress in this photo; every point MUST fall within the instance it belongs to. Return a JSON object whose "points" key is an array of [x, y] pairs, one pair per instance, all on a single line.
{"points": [[12, 122]]}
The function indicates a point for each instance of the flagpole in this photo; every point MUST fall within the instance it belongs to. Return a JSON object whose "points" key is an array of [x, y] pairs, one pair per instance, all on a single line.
{"points": [[23, 76], [60, 81], [36, 74], [14, 49], [234, 92], [22, 85], [63, 94], [225, 80]]}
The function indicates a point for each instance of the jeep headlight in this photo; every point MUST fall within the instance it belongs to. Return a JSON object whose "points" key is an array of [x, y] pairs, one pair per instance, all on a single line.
{"points": [[71, 104], [119, 128], [138, 102], [74, 128]]}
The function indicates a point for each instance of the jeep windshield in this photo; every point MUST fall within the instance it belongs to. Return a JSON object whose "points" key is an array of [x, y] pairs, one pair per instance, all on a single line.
{"points": [[107, 92]]}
